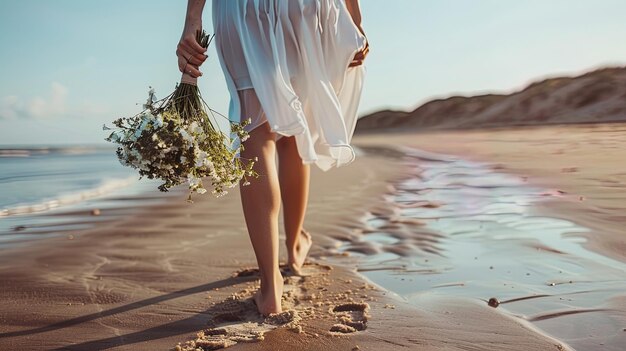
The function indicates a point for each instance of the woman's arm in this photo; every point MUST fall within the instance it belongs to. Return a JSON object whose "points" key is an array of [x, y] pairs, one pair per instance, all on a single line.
{"points": [[190, 54], [355, 11], [354, 8]]}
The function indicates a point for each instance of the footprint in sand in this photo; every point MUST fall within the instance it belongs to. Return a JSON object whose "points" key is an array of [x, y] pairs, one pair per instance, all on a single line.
{"points": [[236, 319], [352, 317]]}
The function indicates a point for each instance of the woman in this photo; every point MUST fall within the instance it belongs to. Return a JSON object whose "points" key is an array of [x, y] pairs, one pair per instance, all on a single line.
{"points": [[294, 67]]}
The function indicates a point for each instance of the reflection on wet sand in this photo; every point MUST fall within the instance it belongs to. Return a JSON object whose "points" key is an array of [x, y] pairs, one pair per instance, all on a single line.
{"points": [[462, 228]]}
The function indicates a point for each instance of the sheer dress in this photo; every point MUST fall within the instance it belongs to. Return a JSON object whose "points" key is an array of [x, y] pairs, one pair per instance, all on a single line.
{"points": [[286, 63]]}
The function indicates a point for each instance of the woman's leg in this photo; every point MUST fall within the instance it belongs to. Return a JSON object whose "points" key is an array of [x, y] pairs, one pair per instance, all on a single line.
{"points": [[261, 206], [294, 189]]}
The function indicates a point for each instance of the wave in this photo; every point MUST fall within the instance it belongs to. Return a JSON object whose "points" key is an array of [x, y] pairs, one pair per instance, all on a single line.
{"points": [[104, 188], [45, 150]]}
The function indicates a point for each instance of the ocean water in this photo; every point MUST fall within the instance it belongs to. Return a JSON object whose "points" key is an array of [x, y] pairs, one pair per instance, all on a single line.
{"points": [[36, 183]]}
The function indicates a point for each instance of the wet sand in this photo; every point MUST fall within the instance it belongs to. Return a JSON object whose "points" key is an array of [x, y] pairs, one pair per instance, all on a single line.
{"points": [[531, 217], [174, 270]]}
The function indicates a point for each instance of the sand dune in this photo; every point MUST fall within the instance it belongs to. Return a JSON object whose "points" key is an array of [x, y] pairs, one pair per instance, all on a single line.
{"points": [[598, 96]]}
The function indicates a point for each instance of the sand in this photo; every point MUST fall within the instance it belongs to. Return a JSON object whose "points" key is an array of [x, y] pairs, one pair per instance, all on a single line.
{"points": [[579, 174], [584, 162], [177, 274]]}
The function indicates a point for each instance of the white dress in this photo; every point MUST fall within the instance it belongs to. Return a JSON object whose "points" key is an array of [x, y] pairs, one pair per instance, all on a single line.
{"points": [[286, 62]]}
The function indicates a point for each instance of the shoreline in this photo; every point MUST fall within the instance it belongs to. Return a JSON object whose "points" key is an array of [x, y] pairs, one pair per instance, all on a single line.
{"points": [[88, 214], [117, 285], [579, 171], [562, 177]]}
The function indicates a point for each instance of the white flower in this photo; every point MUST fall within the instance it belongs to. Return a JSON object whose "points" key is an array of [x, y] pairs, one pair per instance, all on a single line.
{"points": [[116, 136], [201, 158], [138, 132], [188, 138], [130, 135], [168, 134], [208, 164], [193, 181], [152, 95], [158, 122], [195, 129], [151, 98], [145, 123]]}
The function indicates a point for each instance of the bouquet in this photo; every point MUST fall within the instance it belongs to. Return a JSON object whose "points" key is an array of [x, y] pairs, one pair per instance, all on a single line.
{"points": [[177, 140]]}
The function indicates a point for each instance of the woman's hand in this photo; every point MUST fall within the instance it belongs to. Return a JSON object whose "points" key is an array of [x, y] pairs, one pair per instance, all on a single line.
{"points": [[359, 57], [190, 54]]}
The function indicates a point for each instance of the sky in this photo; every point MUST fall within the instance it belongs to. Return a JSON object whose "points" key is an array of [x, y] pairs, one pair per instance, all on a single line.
{"points": [[69, 66]]}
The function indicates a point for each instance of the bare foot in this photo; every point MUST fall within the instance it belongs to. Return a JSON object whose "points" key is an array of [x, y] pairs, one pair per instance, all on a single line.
{"points": [[296, 259], [268, 298]]}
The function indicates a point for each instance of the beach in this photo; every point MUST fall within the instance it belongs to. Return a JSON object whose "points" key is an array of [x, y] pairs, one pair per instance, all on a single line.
{"points": [[494, 239]]}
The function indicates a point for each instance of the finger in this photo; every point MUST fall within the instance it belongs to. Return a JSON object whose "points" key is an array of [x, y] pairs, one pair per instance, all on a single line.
{"points": [[185, 67], [182, 64], [194, 61], [193, 71], [197, 59], [366, 49], [203, 59], [193, 45], [184, 53], [355, 63], [359, 55], [193, 49]]}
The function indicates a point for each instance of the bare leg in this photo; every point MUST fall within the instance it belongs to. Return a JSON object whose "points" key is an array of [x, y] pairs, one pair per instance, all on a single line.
{"points": [[261, 206], [294, 189]]}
